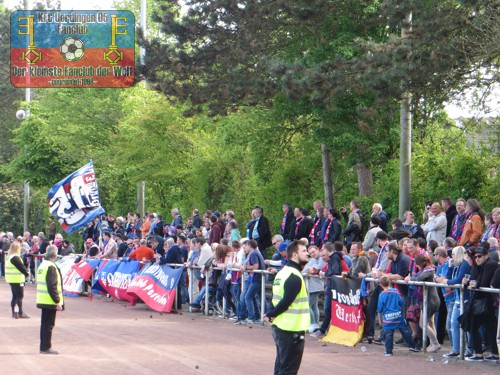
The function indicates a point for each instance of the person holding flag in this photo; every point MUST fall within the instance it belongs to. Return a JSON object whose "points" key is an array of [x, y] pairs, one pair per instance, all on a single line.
{"points": [[290, 316]]}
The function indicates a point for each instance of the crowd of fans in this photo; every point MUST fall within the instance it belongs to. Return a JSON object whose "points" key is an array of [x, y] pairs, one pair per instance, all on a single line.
{"points": [[455, 244]]}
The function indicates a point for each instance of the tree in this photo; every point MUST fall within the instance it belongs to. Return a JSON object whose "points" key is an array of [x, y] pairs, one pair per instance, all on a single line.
{"points": [[233, 53], [9, 96], [63, 132], [205, 59]]}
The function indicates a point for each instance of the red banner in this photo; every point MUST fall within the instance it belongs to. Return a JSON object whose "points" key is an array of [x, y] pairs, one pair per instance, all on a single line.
{"points": [[348, 318], [156, 286]]}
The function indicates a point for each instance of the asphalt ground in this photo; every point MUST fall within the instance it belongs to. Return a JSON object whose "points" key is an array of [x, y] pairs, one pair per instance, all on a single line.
{"points": [[101, 336]]}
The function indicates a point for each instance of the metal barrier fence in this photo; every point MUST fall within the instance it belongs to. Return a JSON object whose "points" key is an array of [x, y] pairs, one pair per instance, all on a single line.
{"points": [[425, 286], [206, 284]]}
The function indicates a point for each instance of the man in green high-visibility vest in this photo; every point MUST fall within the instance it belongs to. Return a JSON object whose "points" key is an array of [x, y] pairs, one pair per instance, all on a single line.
{"points": [[290, 316], [49, 298]]}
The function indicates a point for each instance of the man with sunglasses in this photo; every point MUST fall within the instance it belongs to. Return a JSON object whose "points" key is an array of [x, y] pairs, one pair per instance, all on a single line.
{"points": [[481, 277]]}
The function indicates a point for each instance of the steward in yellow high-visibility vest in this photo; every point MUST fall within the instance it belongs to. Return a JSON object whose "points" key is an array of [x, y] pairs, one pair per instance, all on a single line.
{"points": [[290, 316], [15, 275], [46, 297], [49, 298]]}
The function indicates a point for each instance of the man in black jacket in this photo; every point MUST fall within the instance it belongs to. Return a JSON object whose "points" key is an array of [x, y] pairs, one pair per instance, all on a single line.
{"points": [[306, 225], [483, 305], [287, 221], [397, 230], [450, 212], [289, 321], [301, 225], [334, 268], [197, 221], [260, 230], [49, 298], [354, 224], [159, 226]]}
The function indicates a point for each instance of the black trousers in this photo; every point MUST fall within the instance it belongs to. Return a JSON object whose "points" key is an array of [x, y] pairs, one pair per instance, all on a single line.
{"points": [[17, 297], [328, 310], [372, 310], [48, 323], [441, 320], [489, 322], [289, 350]]}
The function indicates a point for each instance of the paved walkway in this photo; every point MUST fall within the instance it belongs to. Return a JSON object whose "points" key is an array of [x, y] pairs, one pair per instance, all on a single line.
{"points": [[104, 337]]}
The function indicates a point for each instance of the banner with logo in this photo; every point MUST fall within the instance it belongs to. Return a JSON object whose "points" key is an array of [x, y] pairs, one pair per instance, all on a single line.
{"points": [[72, 48], [119, 281], [75, 200], [72, 281], [156, 285], [347, 314], [103, 276], [85, 268]]}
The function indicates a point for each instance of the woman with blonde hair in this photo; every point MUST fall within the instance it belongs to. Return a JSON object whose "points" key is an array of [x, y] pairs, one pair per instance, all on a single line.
{"points": [[493, 229], [15, 275]]}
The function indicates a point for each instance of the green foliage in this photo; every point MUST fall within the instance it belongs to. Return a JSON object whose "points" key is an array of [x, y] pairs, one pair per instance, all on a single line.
{"points": [[9, 96], [12, 209]]}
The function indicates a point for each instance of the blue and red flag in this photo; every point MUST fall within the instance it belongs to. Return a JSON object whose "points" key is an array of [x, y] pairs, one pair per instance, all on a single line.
{"points": [[156, 285], [75, 200], [104, 274], [85, 268]]}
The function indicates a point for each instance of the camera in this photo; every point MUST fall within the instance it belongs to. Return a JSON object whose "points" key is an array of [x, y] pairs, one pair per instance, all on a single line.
{"points": [[21, 114]]}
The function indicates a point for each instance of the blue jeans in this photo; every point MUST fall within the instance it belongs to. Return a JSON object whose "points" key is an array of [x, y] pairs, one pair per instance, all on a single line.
{"points": [[252, 299], [242, 309], [183, 286], [236, 293], [313, 307], [201, 296], [449, 311], [389, 335], [455, 328]]}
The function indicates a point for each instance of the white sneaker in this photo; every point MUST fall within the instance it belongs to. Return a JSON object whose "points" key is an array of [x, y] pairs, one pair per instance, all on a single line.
{"points": [[313, 327], [318, 334], [433, 348]]}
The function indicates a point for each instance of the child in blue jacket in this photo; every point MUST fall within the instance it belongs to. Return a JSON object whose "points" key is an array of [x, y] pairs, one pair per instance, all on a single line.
{"points": [[390, 304]]}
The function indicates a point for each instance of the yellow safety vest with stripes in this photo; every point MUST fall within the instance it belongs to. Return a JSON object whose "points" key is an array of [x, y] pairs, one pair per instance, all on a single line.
{"points": [[42, 292], [297, 317], [12, 274]]}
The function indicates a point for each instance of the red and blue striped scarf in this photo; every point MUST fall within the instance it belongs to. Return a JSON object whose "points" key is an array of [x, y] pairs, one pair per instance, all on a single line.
{"points": [[312, 235], [327, 232], [458, 226], [297, 225], [283, 223]]}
